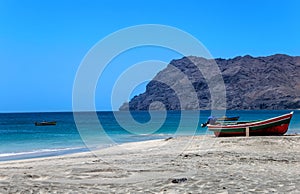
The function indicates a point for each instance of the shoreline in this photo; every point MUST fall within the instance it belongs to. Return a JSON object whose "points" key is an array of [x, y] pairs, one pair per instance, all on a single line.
{"points": [[78, 154], [56, 152], [180, 164], [40, 154], [43, 153]]}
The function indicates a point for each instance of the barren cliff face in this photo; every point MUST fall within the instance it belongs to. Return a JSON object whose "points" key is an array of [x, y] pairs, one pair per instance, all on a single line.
{"points": [[271, 82]]}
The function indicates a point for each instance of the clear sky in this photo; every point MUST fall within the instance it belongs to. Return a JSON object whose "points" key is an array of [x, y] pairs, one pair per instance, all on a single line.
{"points": [[43, 42]]}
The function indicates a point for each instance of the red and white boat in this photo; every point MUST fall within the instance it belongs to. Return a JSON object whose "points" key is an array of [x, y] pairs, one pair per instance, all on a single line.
{"points": [[273, 126]]}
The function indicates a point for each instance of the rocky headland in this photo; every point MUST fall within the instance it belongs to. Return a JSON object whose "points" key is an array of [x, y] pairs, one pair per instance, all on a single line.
{"points": [[271, 82]]}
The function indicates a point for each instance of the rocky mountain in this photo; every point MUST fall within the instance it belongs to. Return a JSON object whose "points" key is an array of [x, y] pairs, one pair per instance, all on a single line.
{"points": [[271, 82]]}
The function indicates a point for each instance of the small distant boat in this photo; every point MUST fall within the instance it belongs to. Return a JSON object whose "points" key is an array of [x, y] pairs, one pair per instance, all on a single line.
{"points": [[273, 126], [213, 120], [45, 123], [225, 118]]}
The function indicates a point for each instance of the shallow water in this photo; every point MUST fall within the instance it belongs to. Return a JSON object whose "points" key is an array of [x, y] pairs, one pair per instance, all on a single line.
{"points": [[20, 138]]}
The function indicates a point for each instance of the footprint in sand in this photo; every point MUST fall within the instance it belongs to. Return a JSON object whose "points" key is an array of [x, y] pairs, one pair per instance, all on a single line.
{"points": [[3, 177], [36, 177]]}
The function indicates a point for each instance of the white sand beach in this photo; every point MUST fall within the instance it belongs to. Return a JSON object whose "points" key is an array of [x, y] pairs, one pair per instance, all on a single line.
{"points": [[206, 164]]}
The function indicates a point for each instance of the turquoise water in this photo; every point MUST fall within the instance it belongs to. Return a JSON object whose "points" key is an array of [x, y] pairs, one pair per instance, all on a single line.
{"points": [[20, 138]]}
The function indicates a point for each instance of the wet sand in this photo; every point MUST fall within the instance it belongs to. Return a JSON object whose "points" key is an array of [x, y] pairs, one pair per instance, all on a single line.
{"points": [[179, 165]]}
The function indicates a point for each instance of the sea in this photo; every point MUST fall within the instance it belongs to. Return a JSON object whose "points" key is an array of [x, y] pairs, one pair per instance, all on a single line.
{"points": [[21, 139]]}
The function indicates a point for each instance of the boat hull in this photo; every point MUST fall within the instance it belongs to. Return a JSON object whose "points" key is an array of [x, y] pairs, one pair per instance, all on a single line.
{"points": [[45, 123], [274, 126], [228, 118]]}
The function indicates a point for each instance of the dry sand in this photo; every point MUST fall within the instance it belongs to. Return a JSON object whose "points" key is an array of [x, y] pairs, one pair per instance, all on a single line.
{"points": [[205, 165]]}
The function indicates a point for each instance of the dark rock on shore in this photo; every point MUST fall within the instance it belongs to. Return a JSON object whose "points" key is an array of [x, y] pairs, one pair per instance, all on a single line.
{"points": [[271, 82]]}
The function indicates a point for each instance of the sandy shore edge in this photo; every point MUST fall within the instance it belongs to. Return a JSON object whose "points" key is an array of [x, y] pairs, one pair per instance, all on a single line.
{"points": [[178, 165]]}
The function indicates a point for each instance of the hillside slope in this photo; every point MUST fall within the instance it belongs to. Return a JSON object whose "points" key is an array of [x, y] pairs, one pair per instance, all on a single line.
{"points": [[271, 82]]}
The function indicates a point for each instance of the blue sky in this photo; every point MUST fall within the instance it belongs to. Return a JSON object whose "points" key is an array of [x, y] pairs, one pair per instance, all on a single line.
{"points": [[43, 42]]}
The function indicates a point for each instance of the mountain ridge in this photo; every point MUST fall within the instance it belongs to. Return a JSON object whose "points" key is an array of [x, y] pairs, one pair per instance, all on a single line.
{"points": [[264, 82]]}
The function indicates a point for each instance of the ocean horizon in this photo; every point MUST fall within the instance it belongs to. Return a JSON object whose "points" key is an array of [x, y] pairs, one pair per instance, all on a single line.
{"points": [[21, 139]]}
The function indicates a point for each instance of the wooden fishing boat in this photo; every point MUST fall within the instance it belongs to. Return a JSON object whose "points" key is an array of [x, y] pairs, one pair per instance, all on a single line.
{"points": [[45, 123], [273, 126], [225, 118]]}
